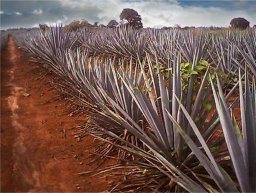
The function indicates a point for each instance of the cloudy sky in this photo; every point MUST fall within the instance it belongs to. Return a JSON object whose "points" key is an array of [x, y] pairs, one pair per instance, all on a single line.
{"points": [[154, 13]]}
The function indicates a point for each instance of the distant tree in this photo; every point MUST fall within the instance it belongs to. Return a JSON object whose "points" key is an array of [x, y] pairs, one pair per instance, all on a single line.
{"points": [[85, 23], [254, 26], [76, 25], [113, 23], [165, 28], [177, 26], [215, 28], [73, 26], [102, 26], [43, 27], [131, 17], [239, 23]]}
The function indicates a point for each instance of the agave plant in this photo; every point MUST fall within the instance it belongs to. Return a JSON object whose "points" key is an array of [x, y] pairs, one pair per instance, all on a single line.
{"points": [[240, 145], [237, 144], [121, 42], [248, 53], [49, 48], [194, 46], [95, 80], [162, 44], [224, 55], [166, 150]]}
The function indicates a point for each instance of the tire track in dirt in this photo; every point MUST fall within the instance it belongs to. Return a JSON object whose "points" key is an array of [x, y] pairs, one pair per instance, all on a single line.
{"points": [[36, 155]]}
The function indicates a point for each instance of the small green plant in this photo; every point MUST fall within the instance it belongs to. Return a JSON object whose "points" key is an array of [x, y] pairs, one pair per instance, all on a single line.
{"points": [[188, 70]]}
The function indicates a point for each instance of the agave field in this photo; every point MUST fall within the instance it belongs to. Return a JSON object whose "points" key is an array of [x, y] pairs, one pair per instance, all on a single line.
{"points": [[176, 107]]}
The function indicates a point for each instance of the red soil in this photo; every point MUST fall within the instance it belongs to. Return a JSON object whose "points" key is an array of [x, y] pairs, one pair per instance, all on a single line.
{"points": [[38, 148]]}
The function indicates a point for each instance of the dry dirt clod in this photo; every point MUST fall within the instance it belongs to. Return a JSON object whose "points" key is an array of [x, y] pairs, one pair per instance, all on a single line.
{"points": [[26, 94], [64, 133], [23, 93], [78, 139]]}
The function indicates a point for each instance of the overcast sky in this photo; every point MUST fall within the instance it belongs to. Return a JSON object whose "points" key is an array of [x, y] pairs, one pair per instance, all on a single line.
{"points": [[29, 13]]}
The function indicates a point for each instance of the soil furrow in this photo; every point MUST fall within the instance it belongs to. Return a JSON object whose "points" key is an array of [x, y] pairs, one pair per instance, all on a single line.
{"points": [[38, 149]]}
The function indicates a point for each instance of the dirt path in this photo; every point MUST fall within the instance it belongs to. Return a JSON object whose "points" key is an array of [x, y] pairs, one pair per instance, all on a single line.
{"points": [[38, 150]]}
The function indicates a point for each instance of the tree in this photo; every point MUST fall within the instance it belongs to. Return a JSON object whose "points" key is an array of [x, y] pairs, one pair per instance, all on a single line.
{"points": [[102, 26], [85, 23], [177, 26], [113, 23], [96, 24], [166, 28], [132, 17], [76, 25], [239, 23], [43, 27]]}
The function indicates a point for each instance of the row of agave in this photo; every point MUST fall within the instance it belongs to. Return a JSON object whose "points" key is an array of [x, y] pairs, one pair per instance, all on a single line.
{"points": [[225, 50], [228, 50], [169, 110]]}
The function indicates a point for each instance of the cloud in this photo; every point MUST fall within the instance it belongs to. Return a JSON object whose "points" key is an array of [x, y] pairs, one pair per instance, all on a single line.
{"points": [[170, 13], [153, 12], [37, 11], [50, 23], [17, 13]]}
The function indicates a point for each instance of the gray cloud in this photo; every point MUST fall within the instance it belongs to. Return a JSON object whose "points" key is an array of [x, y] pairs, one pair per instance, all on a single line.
{"points": [[34, 12], [37, 11], [27, 13]]}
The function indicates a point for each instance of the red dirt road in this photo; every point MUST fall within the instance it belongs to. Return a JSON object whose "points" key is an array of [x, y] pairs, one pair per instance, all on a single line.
{"points": [[38, 149]]}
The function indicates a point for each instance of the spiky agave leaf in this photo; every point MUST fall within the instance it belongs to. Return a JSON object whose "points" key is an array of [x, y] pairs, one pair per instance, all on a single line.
{"points": [[241, 153], [249, 56]]}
